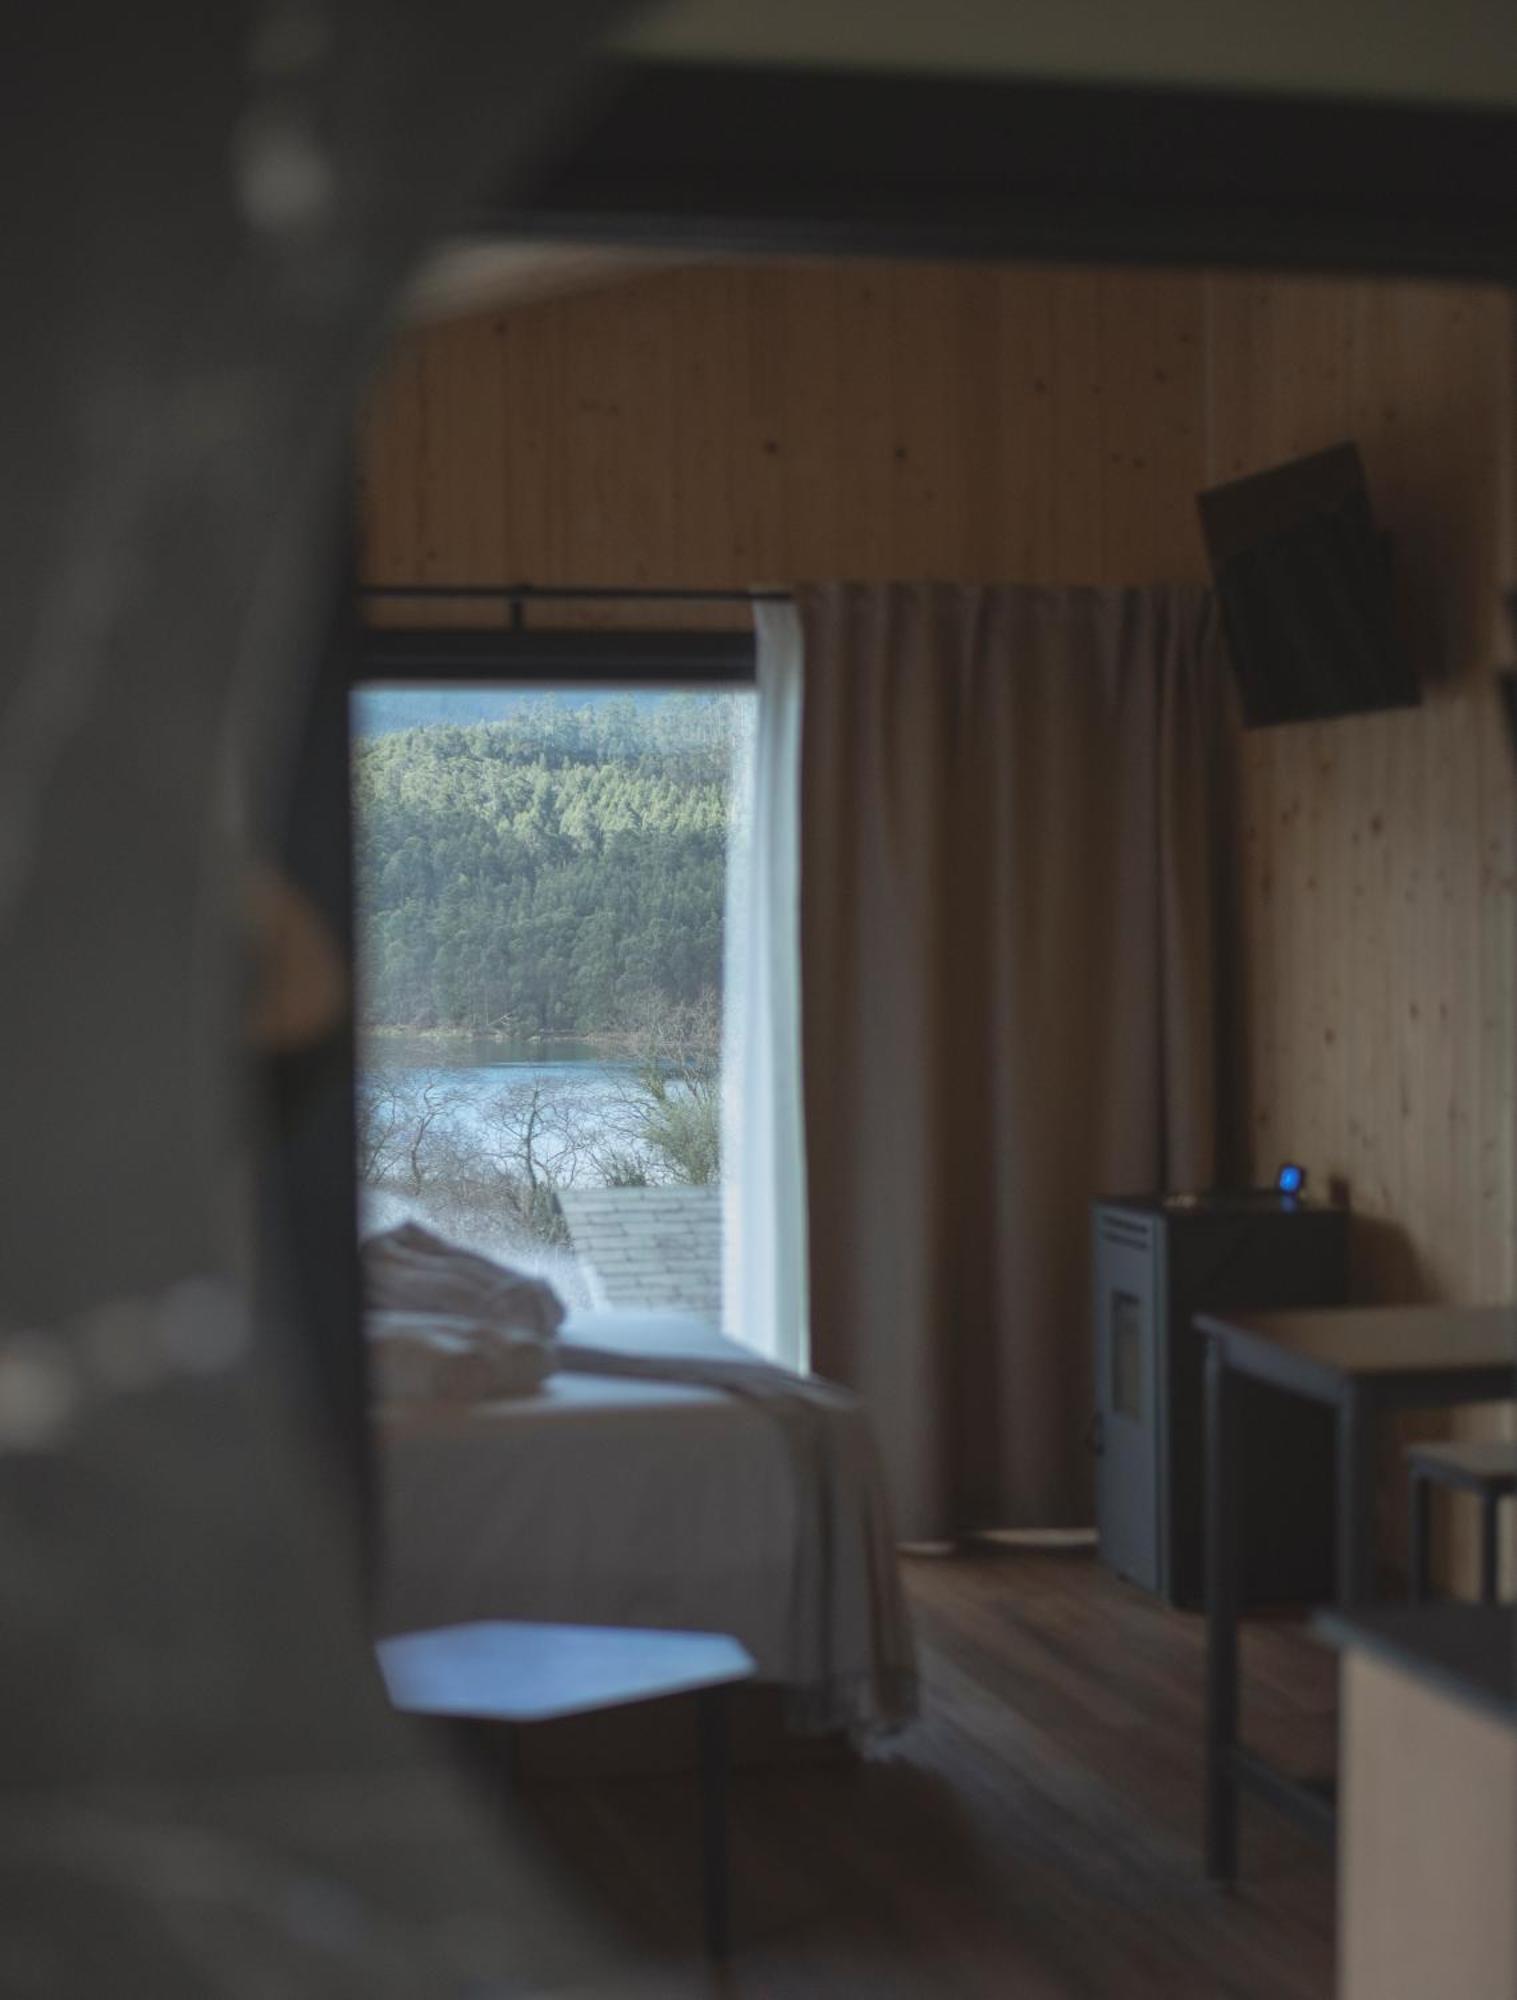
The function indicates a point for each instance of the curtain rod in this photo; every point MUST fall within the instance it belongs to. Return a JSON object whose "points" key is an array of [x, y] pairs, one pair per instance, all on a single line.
{"points": [[508, 593]]}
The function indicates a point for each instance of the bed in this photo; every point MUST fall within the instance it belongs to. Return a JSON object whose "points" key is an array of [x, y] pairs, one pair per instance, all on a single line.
{"points": [[661, 1476]]}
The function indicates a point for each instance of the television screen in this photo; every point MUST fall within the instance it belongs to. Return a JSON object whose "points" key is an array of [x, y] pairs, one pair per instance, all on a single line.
{"points": [[1304, 581]]}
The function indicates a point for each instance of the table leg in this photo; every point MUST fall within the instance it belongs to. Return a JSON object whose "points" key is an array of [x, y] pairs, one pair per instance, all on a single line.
{"points": [[1356, 1498], [1222, 1441], [1418, 1540], [1490, 1547], [712, 1713]]}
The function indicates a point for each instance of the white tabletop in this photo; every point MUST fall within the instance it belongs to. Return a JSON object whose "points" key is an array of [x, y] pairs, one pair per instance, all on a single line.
{"points": [[509, 1672]]}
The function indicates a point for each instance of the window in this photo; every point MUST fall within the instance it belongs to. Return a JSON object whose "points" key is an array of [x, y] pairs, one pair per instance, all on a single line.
{"points": [[541, 883]]}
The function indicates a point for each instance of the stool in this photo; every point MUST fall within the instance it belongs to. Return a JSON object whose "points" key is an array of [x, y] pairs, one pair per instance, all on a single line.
{"points": [[507, 1671], [1487, 1468]]}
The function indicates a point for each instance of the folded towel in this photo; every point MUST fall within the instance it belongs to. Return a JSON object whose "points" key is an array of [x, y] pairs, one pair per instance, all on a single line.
{"points": [[435, 1358], [409, 1269]]}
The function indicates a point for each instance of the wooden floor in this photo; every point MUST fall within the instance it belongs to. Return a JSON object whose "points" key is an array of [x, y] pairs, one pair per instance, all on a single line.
{"points": [[1036, 1834]]}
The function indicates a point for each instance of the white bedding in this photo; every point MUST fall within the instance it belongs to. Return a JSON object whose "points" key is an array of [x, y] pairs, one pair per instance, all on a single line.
{"points": [[617, 1502]]}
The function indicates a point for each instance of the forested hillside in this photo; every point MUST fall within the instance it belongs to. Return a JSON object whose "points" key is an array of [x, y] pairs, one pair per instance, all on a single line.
{"points": [[554, 871], [377, 710]]}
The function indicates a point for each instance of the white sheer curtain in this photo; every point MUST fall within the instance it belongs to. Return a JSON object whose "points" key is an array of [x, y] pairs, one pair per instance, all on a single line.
{"points": [[765, 1282]]}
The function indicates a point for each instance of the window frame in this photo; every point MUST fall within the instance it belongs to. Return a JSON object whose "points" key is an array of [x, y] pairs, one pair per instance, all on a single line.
{"points": [[547, 656]]}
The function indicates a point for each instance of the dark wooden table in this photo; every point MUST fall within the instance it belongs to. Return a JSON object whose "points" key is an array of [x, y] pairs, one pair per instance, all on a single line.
{"points": [[503, 1671], [1360, 1362]]}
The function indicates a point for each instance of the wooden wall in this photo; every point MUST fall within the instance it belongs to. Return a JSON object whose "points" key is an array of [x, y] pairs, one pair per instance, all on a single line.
{"points": [[725, 425], [719, 426], [1378, 1033], [1378, 1036]]}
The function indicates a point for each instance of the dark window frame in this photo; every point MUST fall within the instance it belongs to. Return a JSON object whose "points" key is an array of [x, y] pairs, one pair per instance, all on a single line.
{"points": [[466, 656]]}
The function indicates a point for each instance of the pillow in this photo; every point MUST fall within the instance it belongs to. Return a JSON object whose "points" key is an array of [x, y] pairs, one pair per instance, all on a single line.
{"points": [[411, 1270], [439, 1358]]}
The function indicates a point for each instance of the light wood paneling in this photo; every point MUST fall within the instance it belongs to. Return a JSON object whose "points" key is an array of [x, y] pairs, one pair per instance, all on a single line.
{"points": [[1377, 887], [731, 424], [724, 425], [1376, 1038]]}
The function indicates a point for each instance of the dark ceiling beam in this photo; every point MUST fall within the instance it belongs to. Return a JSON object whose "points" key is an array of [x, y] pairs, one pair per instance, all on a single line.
{"points": [[782, 162]]}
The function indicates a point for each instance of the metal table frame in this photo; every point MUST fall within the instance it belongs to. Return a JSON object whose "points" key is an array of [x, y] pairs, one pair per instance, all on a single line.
{"points": [[1490, 1486], [1235, 1352]]}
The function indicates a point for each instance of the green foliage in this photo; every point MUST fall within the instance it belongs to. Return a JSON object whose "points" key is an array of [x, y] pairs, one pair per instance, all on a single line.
{"points": [[550, 872], [686, 1135], [677, 1099]]}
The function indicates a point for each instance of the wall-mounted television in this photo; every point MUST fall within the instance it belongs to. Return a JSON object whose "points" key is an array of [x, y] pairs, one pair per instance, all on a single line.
{"points": [[1304, 580]]}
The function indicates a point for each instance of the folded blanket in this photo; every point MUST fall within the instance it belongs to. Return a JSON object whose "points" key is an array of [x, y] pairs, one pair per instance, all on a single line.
{"points": [[437, 1358], [448, 1325], [846, 1575], [408, 1269]]}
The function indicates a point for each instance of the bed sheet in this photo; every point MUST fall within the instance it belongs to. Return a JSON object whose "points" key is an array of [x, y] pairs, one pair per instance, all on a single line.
{"points": [[595, 1501]]}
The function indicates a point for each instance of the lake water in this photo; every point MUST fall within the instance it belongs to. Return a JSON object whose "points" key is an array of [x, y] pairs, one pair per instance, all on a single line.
{"points": [[482, 1070], [460, 1056], [488, 1085]]}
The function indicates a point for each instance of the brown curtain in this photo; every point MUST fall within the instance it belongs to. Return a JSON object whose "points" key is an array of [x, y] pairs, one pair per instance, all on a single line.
{"points": [[1010, 867]]}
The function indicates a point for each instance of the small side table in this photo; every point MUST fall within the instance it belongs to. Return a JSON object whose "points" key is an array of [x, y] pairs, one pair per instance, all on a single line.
{"points": [[1361, 1362], [1487, 1468], [516, 1673]]}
